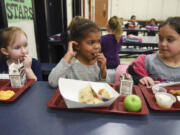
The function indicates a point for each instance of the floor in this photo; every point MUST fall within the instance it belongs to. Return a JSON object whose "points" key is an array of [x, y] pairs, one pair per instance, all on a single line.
{"points": [[128, 60]]}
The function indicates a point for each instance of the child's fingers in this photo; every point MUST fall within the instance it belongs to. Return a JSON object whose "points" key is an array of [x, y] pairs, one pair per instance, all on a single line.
{"points": [[72, 43], [27, 57], [147, 81], [156, 82], [142, 81], [150, 82], [101, 59], [100, 56]]}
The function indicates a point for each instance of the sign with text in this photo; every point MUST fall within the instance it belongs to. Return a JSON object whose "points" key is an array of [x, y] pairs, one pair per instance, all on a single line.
{"points": [[18, 10]]}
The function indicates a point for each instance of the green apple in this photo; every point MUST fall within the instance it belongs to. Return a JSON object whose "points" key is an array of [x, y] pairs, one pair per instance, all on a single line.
{"points": [[132, 103]]}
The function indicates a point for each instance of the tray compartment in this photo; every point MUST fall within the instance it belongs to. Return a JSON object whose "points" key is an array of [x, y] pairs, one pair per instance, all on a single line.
{"points": [[18, 91], [149, 96]]}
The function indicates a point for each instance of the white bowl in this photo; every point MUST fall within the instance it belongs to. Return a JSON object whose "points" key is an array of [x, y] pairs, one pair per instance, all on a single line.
{"points": [[164, 100], [70, 88]]}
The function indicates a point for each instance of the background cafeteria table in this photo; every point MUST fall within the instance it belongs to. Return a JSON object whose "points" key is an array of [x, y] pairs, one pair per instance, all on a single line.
{"points": [[149, 45], [29, 115]]}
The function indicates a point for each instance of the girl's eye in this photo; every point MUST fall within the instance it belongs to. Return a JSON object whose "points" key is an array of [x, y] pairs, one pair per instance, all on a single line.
{"points": [[17, 47], [90, 42], [170, 39], [93, 42]]}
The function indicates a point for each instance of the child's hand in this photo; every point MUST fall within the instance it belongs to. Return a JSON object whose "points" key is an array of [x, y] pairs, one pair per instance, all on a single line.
{"points": [[27, 61], [101, 61], [70, 52], [148, 81], [27, 64]]}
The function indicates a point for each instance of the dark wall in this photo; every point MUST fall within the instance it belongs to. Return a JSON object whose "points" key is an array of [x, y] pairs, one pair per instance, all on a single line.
{"points": [[55, 16], [3, 19], [40, 30], [76, 8], [50, 18]]}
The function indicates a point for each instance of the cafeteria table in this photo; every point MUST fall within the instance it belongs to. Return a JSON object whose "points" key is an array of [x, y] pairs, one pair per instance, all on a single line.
{"points": [[148, 45], [29, 115], [142, 30]]}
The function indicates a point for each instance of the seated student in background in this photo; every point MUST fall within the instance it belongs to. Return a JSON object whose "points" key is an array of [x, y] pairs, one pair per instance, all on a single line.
{"points": [[14, 47], [111, 43], [152, 26], [83, 60], [163, 65], [121, 21], [132, 24]]}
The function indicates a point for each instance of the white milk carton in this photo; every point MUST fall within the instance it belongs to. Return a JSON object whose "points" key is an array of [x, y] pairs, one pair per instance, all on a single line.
{"points": [[126, 85], [17, 75]]}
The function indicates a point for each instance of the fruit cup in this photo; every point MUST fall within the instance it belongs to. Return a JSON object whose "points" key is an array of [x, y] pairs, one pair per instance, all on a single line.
{"points": [[164, 100]]}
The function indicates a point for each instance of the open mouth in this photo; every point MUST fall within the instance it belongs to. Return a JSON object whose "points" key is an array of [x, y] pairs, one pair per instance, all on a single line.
{"points": [[94, 54]]}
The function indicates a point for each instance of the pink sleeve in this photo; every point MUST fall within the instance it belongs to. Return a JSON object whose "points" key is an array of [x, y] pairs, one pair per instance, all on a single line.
{"points": [[139, 65], [121, 69]]}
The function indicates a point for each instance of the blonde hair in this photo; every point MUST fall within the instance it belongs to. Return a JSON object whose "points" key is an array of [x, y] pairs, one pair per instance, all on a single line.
{"points": [[116, 27], [7, 36]]}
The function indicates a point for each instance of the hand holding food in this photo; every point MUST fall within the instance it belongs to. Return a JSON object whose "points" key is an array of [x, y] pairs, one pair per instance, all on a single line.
{"points": [[27, 61], [101, 61]]}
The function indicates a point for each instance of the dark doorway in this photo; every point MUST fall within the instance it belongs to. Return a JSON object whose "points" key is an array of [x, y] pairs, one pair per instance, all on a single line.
{"points": [[50, 19], [55, 16], [76, 8], [3, 19]]}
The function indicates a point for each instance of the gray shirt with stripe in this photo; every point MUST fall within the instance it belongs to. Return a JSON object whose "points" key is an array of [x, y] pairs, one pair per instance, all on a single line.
{"points": [[160, 71]]}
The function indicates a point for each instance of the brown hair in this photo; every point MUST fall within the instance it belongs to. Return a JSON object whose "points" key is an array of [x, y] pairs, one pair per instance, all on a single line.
{"points": [[82, 28], [173, 22], [133, 16], [7, 35], [116, 27], [74, 20]]}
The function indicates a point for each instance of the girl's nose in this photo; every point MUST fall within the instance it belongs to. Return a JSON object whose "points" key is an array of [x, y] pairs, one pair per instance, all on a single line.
{"points": [[23, 50], [163, 42], [97, 45]]}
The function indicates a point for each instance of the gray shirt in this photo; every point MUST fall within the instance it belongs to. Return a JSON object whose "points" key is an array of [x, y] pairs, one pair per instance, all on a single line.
{"points": [[75, 70], [160, 71]]}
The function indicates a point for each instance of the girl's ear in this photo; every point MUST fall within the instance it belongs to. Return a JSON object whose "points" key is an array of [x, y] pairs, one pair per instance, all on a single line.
{"points": [[4, 51], [76, 47]]}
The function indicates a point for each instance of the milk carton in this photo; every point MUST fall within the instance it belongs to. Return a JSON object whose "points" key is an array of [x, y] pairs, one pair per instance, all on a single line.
{"points": [[126, 85], [17, 75]]}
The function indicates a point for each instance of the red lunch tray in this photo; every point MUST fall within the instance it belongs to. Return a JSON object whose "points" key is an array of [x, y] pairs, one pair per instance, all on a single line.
{"points": [[149, 96], [56, 101], [5, 85]]}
